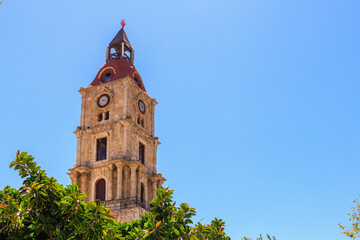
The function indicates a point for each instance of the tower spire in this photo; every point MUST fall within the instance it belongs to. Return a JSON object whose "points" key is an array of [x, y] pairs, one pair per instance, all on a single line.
{"points": [[120, 47]]}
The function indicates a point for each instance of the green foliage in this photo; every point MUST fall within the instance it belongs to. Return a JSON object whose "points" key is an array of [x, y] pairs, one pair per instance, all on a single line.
{"points": [[353, 231], [260, 238], [45, 209]]}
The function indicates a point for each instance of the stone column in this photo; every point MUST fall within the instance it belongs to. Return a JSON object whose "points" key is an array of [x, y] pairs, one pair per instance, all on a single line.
{"points": [[83, 182], [110, 181], [146, 198], [126, 184], [138, 183], [154, 188], [133, 168], [91, 188], [120, 167]]}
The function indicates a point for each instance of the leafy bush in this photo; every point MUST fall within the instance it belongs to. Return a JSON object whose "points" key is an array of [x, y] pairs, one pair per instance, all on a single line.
{"points": [[45, 209]]}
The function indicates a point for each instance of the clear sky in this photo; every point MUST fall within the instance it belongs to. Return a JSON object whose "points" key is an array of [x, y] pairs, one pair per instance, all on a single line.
{"points": [[258, 110]]}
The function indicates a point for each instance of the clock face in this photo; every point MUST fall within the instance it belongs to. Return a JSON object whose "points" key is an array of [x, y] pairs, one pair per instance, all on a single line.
{"points": [[103, 100], [141, 106]]}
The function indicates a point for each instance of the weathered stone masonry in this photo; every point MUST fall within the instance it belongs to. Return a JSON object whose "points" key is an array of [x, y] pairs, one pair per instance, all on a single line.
{"points": [[116, 146]]}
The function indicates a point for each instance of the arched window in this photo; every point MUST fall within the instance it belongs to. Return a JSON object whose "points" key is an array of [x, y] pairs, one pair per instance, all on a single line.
{"points": [[100, 189], [107, 77]]}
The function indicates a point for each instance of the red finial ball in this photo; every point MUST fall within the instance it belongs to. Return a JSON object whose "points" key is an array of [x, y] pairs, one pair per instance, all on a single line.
{"points": [[123, 23]]}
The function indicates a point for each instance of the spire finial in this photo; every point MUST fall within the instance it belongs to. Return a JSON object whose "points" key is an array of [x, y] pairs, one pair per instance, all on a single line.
{"points": [[123, 23]]}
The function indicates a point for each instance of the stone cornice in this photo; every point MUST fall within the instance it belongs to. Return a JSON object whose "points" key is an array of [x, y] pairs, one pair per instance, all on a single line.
{"points": [[158, 176], [80, 169], [154, 102], [107, 164], [108, 127]]}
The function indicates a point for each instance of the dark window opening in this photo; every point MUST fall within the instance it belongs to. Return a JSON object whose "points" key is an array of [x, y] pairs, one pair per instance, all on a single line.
{"points": [[142, 122], [107, 77], [136, 80], [100, 190], [142, 153], [100, 117], [142, 194], [107, 115], [101, 149], [138, 120]]}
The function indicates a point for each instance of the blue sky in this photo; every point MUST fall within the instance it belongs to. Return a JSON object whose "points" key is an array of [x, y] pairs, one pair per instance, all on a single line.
{"points": [[258, 109]]}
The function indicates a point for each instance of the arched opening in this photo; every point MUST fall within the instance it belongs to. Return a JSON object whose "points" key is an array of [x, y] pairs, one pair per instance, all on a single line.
{"points": [[127, 54], [107, 77], [100, 190], [142, 194], [112, 50]]}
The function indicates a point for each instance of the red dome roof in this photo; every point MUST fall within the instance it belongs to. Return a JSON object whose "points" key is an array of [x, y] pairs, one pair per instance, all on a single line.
{"points": [[117, 69]]}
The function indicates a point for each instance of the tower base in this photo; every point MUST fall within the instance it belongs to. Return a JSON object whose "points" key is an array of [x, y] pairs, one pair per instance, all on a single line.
{"points": [[129, 214]]}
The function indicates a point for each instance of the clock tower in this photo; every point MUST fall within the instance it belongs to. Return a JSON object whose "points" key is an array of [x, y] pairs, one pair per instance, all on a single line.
{"points": [[116, 145]]}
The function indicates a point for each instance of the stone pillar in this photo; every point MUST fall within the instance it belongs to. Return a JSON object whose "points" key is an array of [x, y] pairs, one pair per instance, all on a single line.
{"points": [[133, 168], [120, 167], [154, 188], [145, 181], [138, 183], [91, 188], [83, 182], [110, 182], [126, 183]]}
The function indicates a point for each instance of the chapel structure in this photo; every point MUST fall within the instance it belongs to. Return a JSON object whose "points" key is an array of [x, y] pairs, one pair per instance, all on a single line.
{"points": [[116, 145]]}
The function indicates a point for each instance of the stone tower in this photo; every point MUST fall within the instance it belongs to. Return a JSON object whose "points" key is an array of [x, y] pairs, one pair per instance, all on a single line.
{"points": [[116, 145]]}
